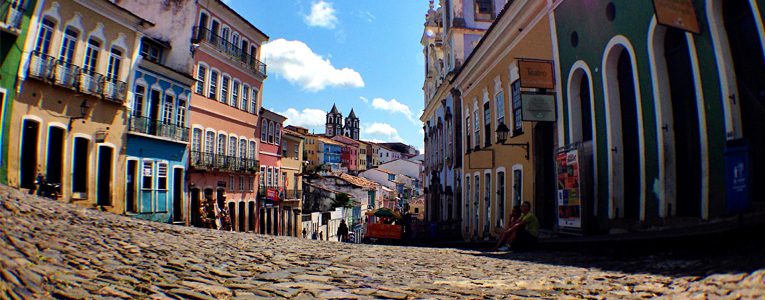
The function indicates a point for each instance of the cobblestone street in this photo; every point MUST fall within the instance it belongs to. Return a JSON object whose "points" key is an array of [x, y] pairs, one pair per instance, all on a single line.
{"points": [[56, 250]]}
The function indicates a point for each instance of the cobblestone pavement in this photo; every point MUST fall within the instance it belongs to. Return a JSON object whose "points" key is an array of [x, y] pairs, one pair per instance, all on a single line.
{"points": [[57, 250]]}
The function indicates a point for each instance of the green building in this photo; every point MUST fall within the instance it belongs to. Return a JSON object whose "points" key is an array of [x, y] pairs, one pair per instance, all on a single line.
{"points": [[663, 119], [14, 21]]}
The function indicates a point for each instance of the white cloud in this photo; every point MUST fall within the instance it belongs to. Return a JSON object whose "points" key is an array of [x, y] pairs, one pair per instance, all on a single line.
{"points": [[384, 131], [394, 106], [297, 63], [322, 15], [308, 117], [364, 99]]}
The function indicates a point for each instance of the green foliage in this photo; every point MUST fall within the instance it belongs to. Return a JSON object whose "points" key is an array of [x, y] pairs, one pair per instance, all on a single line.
{"points": [[342, 200]]}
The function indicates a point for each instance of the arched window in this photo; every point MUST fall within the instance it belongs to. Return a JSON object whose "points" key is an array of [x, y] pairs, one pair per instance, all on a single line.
{"points": [[221, 150], [264, 130], [270, 132]]}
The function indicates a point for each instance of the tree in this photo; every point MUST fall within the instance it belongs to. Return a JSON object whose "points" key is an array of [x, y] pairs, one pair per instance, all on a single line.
{"points": [[342, 200]]}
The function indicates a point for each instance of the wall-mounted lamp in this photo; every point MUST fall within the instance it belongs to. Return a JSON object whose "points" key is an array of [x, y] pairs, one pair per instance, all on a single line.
{"points": [[502, 132], [83, 112]]}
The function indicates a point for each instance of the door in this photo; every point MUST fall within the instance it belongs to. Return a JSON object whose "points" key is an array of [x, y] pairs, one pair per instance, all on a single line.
{"points": [[241, 217], [54, 165], [196, 204], [104, 176], [28, 155], [154, 104], [178, 214], [132, 186]]}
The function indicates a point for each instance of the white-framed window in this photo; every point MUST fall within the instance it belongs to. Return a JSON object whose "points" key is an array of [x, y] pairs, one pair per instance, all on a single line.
{"points": [[232, 146], [235, 94], [278, 134], [68, 45], [476, 129], [181, 114], [245, 97], [91, 56], [242, 148], [221, 144], [44, 36], [162, 176], [213, 85], [140, 95], [147, 183], [264, 131], [167, 110], [224, 82], [487, 124], [235, 39], [269, 173], [262, 176], [115, 59], [254, 101], [517, 114], [241, 183], [209, 142], [499, 100], [251, 150], [231, 183], [271, 132], [196, 140], [251, 183], [201, 77]]}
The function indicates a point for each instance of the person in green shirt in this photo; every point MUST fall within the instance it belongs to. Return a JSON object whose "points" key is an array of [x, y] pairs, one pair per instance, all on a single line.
{"points": [[525, 231]]}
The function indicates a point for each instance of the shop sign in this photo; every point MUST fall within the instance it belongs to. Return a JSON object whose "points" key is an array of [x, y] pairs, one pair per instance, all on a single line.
{"points": [[538, 107], [680, 14], [569, 192], [737, 176], [536, 74], [272, 194]]}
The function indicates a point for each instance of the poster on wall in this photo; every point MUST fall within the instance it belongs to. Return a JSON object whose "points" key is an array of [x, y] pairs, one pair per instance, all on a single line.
{"points": [[569, 192]]}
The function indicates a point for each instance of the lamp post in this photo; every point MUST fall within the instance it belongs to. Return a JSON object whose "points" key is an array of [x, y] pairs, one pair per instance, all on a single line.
{"points": [[502, 132], [83, 111]]}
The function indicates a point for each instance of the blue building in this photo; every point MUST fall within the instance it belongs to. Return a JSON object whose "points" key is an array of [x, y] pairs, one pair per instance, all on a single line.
{"points": [[157, 137], [330, 153]]}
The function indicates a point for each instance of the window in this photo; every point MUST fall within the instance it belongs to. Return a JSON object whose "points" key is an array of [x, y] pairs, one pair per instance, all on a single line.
{"points": [[269, 173], [181, 115], [476, 129], [232, 146], [196, 140], [148, 175], [235, 94], [296, 152], [487, 201], [262, 176], [209, 142], [484, 10], [168, 109], [140, 92], [270, 132], [231, 183], [115, 58], [391, 177], [467, 133], [284, 148], [241, 183], [224, 89], [201, 74], [254, 102], [162, 176], [278, 134], [264, 130], [224, 34], [67, 46], [251, 150], [500, 199], [245, 94], [151, 51], [499, 101], [91, 56], [251, 183], [242, 148], [221, 144], [486, 124], [235, 40], [43, 38], [467, 202], [213, 85], [517, 186], [517, 115], [476, 201]]}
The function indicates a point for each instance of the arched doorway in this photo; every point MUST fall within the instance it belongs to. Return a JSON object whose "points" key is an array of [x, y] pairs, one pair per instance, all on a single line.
{"points": [[624, 132], [262, 222], [683, 125], [582, 130], [241, 218], [251, 215], [30, 130], [746, 51], [196, 219]]}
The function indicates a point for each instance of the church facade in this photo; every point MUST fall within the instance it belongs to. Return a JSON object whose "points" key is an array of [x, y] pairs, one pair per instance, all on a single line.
{"points": [[336, 125]]}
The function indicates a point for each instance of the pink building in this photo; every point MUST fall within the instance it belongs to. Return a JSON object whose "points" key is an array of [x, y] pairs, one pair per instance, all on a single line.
{"points": [[350, 153], [224, 114], [271, 176]]}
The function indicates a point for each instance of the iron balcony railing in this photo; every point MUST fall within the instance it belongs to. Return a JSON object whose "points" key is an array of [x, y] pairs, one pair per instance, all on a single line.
{"points": [[236, 53], [158, 128], [65, 74], [212, 161], [13, 14], [293, 194]]}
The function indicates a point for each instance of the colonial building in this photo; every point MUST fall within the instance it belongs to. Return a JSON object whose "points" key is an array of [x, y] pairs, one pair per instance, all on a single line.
{"points": [[329, 154], [663, 114], [70, 114], [14, 27], [223, 113], [292, 170], [362, 157], [508, 147], [349, 153], [158, 131], [272, 178]]}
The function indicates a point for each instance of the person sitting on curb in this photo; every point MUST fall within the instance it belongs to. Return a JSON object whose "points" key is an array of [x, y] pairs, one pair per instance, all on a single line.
{"points": [[504, 236], [525, 232]]}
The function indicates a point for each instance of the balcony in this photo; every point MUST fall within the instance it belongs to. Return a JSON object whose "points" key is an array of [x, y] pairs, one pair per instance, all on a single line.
{"points": [[158, 128], [211, 161], [12, 15], [233, 51], [68, 75], [293, 194]]}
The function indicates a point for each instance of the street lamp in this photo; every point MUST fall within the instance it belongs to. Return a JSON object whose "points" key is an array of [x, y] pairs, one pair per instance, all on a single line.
{"points": [[83, 111], [502, 132]]}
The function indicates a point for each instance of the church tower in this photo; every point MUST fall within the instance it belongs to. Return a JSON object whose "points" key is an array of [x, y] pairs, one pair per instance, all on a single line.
{"points": [[334, 124], [351, 128]]}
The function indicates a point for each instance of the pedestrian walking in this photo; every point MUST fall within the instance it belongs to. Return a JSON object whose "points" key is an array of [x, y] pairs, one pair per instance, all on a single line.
{"points": [[342, 231]]}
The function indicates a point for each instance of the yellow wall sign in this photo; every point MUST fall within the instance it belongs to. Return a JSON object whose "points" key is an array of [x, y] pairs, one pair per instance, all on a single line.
{"points": [[536, 74], [680, 14]]}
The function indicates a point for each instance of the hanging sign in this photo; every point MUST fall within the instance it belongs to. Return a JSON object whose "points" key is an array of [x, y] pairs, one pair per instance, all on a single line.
{"points": [[680, 14], [538, 107], [536, 74], [569, 192], [272, 194]]}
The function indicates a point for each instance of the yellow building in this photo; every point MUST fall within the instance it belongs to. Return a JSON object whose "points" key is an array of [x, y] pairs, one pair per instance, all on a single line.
{"points": [[362, 157], [292, 169], [509, 64], [69, 118]]}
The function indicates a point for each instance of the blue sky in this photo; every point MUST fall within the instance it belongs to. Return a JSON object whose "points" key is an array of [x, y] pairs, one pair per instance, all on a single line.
{"points": [[361, 54]]}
